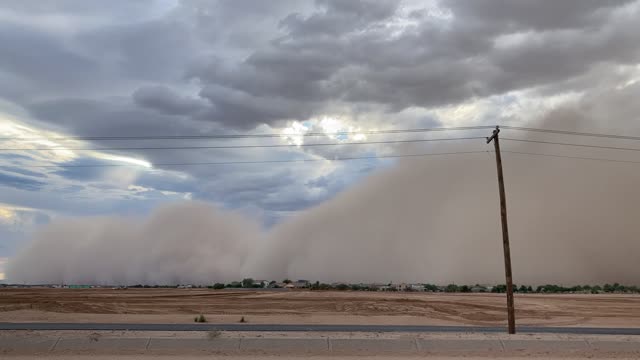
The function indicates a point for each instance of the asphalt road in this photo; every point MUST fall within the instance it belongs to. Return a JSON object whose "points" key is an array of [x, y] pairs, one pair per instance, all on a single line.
{"points": [[319, 328]]}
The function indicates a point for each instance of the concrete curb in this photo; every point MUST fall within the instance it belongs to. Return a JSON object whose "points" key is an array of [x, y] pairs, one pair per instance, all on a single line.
{"points": [[320, 346], [316, 327]]}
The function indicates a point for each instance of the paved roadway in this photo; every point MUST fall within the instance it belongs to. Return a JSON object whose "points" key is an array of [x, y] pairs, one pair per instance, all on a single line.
{"points": [[314, 328]]}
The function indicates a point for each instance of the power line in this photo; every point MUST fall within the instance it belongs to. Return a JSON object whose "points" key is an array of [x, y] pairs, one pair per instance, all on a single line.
{"points": [[240, 146], [563, 132], [256, 162], [571, 157], [570, 144], [247, 136], [312, 134]]}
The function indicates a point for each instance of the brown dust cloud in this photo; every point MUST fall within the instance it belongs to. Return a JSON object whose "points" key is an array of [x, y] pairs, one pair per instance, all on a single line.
{"points": [[433, 219]]}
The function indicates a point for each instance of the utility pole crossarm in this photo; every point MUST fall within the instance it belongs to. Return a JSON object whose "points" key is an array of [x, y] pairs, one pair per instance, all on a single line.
{"points": [[495, 134]]}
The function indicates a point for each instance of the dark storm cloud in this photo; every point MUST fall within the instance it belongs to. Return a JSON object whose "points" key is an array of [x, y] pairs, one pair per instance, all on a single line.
{"points": [[165, 100], [345, 52], [40, 60], [305, 59], [538, 15], [156, 50], [106, 117], [339, 17], [75, 6]]}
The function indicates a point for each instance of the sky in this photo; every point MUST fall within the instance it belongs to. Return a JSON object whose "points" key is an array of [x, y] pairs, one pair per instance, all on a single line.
{"points": [[75, 68]]}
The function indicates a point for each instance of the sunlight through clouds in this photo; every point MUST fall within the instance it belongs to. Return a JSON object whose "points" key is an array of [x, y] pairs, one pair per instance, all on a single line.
{"points": [[333, 127], [20, 136]]}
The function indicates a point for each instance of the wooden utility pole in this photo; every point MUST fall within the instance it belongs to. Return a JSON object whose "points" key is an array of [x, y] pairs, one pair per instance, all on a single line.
{"points": [[505, 233]]}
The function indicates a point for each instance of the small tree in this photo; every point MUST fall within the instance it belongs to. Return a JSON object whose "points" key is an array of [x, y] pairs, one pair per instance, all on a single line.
{"points": [[342, 287], [287, 281], [451, 288], [247, 283], [499, 289], [218, 286], [430, 287]]}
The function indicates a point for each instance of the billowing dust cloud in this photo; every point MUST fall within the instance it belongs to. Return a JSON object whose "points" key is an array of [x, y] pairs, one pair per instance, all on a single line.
{"points": [[177, 244], [424, 220]]}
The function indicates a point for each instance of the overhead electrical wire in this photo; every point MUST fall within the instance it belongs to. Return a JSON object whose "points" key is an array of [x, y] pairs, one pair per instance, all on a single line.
{"points": [[254, 162], [570, 157], [578, 133], [571, 144], [241, 146], [312, 134], [337, 143], [249, 136]]}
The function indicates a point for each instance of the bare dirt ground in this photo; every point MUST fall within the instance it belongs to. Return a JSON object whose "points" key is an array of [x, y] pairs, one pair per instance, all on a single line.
{"points": [[182, 357], [298, 307]]}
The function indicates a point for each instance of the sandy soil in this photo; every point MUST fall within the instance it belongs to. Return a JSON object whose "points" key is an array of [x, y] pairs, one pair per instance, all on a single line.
{"points": [[296, 307], [182, 357]]}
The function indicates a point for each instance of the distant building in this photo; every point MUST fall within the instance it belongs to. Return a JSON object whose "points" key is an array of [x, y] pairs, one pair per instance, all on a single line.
{"points": [[372, 286], [79, 286], [301, 284], [262, 283], [479, 289]]}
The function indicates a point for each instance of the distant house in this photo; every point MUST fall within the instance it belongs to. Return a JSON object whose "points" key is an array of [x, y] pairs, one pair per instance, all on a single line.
{"points": [[416, 287], [281, 285], [299, 284], [478, 289], [262, 283], [372, 286]]}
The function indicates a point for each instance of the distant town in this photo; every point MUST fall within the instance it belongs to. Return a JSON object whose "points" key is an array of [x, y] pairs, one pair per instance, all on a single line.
{"points": [[286, 284]]}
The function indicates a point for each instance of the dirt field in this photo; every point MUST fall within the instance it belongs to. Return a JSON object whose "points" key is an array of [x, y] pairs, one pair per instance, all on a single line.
{"points": [[297, 307]]}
